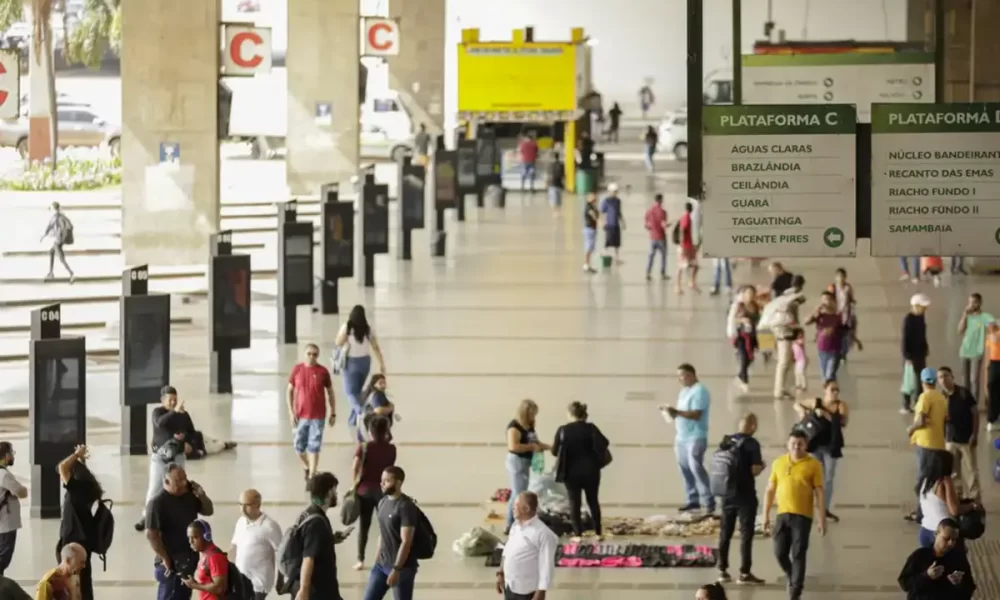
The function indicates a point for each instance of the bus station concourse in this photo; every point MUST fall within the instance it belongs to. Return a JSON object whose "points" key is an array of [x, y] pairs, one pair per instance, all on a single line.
{"points": [[213, 278]]}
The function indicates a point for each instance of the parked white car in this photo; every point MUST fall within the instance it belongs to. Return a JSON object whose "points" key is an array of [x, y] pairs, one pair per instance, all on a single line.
{"points": [[673, 135]]}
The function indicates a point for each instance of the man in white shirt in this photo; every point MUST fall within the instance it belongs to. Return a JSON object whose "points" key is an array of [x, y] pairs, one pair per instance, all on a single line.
{"points": [[255, 544], [529, 555], [11, 494]]}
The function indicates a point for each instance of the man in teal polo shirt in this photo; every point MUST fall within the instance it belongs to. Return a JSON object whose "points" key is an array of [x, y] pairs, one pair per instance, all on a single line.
{"points": [[691, 442]]}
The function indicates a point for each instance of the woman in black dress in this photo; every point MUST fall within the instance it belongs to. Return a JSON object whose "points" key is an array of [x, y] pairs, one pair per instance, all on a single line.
{"points": [[78, 522], [582, 451]]}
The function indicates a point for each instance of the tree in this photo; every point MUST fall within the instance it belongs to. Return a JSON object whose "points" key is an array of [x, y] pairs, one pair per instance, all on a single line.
{"points": [[98, 29]]}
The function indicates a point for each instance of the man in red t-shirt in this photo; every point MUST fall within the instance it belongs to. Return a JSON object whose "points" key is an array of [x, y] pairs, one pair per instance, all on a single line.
{"points": [[212, 573], [309, 389], [687, 250], [656, 224], [528, 149]]}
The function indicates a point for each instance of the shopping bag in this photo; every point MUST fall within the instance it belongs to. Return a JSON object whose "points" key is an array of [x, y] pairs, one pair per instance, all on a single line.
{"points": [[909, 384]]}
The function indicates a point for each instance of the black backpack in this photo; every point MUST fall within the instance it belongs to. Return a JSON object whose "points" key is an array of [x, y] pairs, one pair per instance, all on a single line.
{"points": [[724, 469], [104, 526], [289, 554], [424, 539], [675, 235], [238, 585]]}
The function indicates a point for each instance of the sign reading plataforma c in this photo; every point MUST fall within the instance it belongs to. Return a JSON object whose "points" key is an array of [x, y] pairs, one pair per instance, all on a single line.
{"points": [[779, 181], [936, 179]]}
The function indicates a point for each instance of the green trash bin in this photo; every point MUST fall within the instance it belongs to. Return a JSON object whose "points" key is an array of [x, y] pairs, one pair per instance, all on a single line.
{"points": [[584, 181]]}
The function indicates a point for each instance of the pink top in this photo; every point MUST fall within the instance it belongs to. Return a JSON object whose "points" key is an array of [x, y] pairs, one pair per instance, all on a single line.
{"points": [[799, 352]]}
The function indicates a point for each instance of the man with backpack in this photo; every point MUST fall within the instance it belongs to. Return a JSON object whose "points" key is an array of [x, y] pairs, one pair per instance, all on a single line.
{"points": [[307, 560], [404, 533], [734, 466], [60, 230]]}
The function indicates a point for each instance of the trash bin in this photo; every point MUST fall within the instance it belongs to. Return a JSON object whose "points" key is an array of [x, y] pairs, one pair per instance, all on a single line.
{"points": [[584, 181]]}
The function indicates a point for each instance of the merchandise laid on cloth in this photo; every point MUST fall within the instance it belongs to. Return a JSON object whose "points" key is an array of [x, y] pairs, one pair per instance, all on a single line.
{"points": [[476, 542], [626, 556]]}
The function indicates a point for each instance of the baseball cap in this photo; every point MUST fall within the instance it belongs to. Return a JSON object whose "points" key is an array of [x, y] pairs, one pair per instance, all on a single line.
{"points": [[920, 300], [928, 375], [612, 187]]}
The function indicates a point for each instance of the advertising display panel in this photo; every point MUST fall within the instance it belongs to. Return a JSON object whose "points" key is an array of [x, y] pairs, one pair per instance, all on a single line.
{"points": [[338, 239], [376, 221], [509, 77], [230, 299], [145, 347]]}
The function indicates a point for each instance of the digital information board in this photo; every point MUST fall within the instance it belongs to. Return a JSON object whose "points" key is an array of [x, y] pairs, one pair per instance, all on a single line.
{"points": [[231, 302]]}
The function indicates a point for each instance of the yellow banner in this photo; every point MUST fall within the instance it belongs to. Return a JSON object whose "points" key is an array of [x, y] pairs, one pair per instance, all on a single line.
{"points": [[508, 77]]}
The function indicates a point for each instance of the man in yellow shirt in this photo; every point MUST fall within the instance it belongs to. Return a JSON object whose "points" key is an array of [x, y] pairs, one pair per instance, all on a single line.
{"points": [[62, 582], [797, 483], [927, 430]]}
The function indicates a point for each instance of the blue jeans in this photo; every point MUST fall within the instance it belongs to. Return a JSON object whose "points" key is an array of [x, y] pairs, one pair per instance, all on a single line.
{"points": [[925, 538], [528, 175], [691, 459], [654, 247], [957, 264], [555, 196], [170, 587], [828, 363], [519, 470], [829, 472], [648, 157], [904, 264], [720, 264], [309, 436], [355, 373], [378, 584]]}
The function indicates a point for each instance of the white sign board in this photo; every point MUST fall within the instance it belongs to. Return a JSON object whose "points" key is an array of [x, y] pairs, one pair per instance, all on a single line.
{"points": [[861, 79], [779, 181], [247, 50], [936, 180], [379, 36], [10, 85]]}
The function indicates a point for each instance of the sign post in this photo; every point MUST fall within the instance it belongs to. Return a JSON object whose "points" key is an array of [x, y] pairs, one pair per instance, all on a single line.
{"points": [[466, 167], [445, 195], [412, 179], [229, 306], [338, 247], [295, 269], [375, 224], [779, 181], [144, 348], [10, 84], [57, 406], [936, 179]]}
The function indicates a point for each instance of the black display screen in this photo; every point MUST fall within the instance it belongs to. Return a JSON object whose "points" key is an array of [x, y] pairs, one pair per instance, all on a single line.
{"points": [[339, 239], [59, 400], [231, 301], [467, 168], [376, 206], [413, 200], [486, 157], [146, 350], [445, 183]]}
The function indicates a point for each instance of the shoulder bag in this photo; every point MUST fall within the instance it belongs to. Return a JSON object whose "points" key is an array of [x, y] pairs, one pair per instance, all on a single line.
{"points": [[350, 508]]}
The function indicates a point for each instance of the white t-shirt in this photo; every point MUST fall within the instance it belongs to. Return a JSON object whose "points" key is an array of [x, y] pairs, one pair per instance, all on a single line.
{"points": [[256, 547], [10, 514], [356, 349]]}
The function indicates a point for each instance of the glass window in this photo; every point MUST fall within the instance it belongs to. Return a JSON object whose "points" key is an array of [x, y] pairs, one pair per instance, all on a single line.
{"points": [[385, 105]]}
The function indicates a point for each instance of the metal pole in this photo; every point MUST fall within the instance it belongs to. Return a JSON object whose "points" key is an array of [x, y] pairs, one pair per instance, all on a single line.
{"points": [[695, 96], [737, 52], [972, 51], [939, 51]]}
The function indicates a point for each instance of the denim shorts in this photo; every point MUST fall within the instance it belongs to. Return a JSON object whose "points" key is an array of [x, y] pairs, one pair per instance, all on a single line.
{"points": [[309, 436], [589, 239]]}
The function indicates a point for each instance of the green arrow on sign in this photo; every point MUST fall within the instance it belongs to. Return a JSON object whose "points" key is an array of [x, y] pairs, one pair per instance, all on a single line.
{"points": [[834, 237]]}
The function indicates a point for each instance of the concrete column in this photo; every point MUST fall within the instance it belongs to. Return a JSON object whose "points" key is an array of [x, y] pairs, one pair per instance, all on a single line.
{"points": [[417, 73], [170, 143], [323, 61], [42, 134]]}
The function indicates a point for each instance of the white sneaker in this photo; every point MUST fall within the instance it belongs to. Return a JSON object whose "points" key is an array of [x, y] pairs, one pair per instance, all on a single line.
{"points": [[904, 411], [989, 427]]}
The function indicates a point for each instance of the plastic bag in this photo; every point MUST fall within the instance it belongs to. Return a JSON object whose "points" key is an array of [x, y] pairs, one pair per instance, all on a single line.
{"points": [[909, 383], [476, 542], [545, 486], [538, 462]]}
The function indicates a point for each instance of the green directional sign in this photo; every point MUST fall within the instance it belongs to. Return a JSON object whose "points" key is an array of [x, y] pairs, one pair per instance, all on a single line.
{"points": [[833, 237]]}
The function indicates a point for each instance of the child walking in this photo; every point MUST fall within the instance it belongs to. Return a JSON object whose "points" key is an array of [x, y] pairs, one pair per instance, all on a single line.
{"points": [[801, 361], [377, 404]]}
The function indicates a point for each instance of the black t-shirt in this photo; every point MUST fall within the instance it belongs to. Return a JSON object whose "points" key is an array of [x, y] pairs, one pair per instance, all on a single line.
{"points": [[317, 544], [527, 436], [393, 515], [590, 216], [171, 515], [78, 516], [961, 405], [167, 422], [781, 283], [745, 490]]}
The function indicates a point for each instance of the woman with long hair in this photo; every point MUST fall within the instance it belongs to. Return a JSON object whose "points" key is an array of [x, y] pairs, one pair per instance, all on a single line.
{"points": [[938, 499], [522, 443], [78, 524], [742, 332], [370, 459], [583, 451], [356, 343], [827, 447], [376, 404]]}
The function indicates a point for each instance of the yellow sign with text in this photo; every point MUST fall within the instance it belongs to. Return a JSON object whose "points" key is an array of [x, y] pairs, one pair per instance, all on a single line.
{"points": [[511, 77]]}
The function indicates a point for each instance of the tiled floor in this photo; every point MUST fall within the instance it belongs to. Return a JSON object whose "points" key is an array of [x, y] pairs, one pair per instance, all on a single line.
{"points": [[510, 315]]}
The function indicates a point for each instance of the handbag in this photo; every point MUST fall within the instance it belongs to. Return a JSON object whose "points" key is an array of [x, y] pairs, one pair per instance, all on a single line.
{"points": [[350, 508], [601, 448], [339, 359]]}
